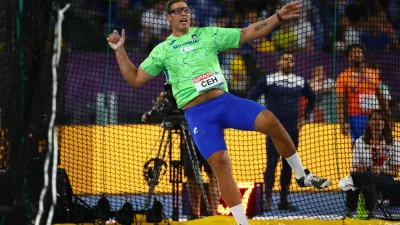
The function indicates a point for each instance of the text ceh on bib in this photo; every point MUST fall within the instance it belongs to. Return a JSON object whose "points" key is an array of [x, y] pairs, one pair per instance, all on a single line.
{"points": [[208, 81]]}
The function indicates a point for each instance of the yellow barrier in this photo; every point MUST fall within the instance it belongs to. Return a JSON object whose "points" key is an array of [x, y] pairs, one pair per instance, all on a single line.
{"points": [[229, 220], [110, 159]]}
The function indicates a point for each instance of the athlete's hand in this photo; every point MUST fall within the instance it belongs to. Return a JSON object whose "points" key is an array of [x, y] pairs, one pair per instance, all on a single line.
{"points": [[145, 117], [291, 10], [116, 41]]}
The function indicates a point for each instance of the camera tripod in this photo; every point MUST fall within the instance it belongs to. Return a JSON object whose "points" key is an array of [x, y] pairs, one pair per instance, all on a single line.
{"points": [[177, 124]]}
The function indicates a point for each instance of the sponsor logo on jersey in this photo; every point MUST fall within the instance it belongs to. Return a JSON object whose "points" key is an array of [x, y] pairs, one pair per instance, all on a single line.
{"points": [[202, 77], [186, 43], [187, 49]]}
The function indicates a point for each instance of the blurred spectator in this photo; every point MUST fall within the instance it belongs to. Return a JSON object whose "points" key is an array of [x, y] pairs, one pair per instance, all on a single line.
{"points": [[250, 17], [207, 11], [282, 92], [285, 38], [356, 11], [359, 86], [340, 40], [383, 87], [349, 19], [237, 20], [351, 26], [223, 20], [269, 9], [228, 8], [326, 10], [250, 5], [127, 18], [341, 6], [238, 80], [324, 88], [304, 32], [249, 50], [379, 34], [393, 11], [263, 45], [155, 26], [376, 165]]}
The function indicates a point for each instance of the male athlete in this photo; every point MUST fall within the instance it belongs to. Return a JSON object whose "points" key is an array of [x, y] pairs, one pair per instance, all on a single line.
{"points": [[360, 87], [282, 91], [189, 60]]}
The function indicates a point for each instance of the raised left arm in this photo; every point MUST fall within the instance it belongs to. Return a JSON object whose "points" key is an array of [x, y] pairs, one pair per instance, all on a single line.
{"points": [[262, 28]]}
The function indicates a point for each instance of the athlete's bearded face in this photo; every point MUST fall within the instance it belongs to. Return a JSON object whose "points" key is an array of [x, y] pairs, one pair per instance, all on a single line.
{"points": [[179, 17], [356, 56], [286, 63]]}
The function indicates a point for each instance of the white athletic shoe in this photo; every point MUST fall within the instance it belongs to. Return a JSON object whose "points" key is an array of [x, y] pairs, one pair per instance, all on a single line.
{"points": [[346, 184], [312, 180]]}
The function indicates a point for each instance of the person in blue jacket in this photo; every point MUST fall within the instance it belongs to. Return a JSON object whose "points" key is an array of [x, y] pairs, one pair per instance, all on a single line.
{"points": [[282, 91]]}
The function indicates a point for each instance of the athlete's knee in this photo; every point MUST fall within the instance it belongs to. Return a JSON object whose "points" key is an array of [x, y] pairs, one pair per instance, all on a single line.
{"points": [[219, 161], [266, 121]]}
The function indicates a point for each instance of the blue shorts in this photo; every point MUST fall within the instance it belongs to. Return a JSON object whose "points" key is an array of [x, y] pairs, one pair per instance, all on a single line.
{"points": [[357, 126], [207, 121]]}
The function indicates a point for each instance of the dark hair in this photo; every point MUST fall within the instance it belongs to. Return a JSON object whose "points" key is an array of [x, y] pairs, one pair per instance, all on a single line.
{"points": [[171, 2], [386, 133], [354, 46], [281, 53], [316, 65]]}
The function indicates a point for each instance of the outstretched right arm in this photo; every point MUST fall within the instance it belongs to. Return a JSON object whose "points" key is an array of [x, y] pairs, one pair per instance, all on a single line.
{"points": [[136, 77]]}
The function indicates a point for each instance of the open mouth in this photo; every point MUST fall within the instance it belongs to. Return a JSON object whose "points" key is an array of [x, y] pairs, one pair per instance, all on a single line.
{"points": [[183, 20]]}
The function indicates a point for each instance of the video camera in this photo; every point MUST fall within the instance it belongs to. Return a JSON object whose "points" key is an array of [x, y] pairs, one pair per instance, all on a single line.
{"points": [[168, 109]]}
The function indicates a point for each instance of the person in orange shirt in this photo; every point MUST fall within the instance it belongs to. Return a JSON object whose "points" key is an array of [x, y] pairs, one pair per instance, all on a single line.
{"points": [[359, 87]]}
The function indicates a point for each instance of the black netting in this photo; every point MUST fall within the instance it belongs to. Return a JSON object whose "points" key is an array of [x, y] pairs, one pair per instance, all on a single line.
{"points": [[5, 88], [116, 150], [27, 35]]}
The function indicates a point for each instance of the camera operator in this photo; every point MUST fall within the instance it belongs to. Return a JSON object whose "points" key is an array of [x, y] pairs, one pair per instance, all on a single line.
{"points": [[193, 188], [153, 114], [376, 165]]}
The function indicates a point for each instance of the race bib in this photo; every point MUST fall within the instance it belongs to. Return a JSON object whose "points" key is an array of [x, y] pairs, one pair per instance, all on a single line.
{"points": [[208, 81], [368, 101]]}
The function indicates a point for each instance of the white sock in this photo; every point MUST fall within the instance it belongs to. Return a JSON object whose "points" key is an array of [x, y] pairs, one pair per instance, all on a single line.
{"points": [[298, 168], [238, 213]]}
